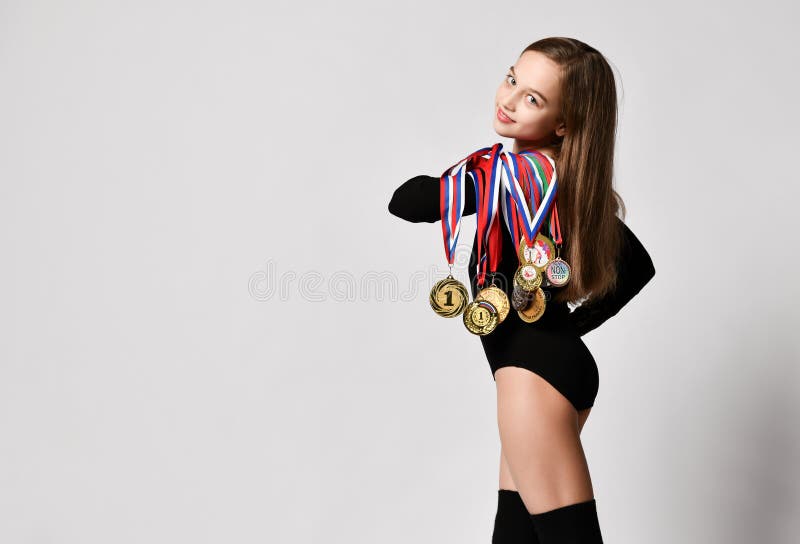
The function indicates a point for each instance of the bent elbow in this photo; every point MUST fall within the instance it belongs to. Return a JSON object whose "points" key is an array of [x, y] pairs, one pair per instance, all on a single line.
{"points": [[407, 209], [651, 269], [393, 209], [397, 209], [647, 273]]}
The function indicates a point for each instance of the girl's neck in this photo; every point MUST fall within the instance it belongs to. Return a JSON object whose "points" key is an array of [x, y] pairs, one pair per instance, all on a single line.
{"points": [[550, 151]]}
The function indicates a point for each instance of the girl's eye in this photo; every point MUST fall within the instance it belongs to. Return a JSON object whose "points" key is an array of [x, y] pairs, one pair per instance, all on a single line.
{"points": [[512, 79]]}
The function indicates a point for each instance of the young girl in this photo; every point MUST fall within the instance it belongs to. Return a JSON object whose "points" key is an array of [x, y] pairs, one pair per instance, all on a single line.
{"points": [[558, 99]]}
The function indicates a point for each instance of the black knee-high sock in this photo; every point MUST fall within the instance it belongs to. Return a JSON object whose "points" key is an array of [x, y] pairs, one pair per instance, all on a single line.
{"points": [[512, 523], [571, 524]]}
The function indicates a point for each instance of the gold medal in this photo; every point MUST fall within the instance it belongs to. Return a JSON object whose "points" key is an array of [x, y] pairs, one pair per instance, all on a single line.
{"points": [[539, 254], [498, 298], [449, 297], [528, 276], [535, 309], [558, 272], [480, 317]]}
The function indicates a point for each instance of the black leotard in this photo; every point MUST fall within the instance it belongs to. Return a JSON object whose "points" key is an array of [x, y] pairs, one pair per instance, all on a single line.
{"points": [[551, 346]]}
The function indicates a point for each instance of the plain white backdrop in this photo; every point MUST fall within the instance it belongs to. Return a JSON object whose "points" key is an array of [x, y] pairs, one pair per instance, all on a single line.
{"points": [[214, 332]]}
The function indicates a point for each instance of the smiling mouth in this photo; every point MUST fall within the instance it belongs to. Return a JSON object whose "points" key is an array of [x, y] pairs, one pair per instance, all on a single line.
{"points": [[503, 117]]}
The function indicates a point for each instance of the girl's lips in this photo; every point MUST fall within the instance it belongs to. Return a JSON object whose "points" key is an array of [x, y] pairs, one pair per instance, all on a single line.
{"points": [[503, 117]]}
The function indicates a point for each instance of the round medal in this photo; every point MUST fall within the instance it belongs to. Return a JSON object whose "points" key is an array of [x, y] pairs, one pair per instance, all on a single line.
{"points": [[558, 272], [528, 277], [498, 298], [449, 297], [535, 308], [540, 253], [480, 317]]}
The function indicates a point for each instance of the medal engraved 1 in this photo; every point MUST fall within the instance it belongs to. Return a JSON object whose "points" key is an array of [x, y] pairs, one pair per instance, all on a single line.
{"points": [[498, 298], [480, 317], [449, 297], [558, 272], [535, 308]]}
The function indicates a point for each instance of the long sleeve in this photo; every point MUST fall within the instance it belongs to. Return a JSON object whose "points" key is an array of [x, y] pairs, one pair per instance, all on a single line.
{"points": [[634, 268], [417, 200]]}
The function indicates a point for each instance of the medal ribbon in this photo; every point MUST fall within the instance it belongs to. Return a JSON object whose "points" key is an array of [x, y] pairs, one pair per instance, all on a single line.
{"points": [[530, 225], [495, 174], [490, 174], [451, 201], [555, 224], [532, 193], [545, 176]]}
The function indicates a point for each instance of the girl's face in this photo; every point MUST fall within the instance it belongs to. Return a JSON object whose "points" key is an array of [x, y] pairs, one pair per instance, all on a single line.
{"points": [[528, 103]]}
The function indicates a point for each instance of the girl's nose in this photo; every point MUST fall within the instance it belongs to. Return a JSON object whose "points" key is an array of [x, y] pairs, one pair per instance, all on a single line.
{"points": [[508, 102]]}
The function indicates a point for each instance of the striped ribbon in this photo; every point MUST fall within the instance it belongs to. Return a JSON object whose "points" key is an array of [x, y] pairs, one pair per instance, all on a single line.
{"points": [[496, 175]]}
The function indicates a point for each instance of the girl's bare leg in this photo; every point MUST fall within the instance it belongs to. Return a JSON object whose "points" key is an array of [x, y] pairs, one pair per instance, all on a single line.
{"points": [[540, 437], [506, 481]]}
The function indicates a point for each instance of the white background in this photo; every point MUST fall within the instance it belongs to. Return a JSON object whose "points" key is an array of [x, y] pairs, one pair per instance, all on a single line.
{"points": [[164, 166]]}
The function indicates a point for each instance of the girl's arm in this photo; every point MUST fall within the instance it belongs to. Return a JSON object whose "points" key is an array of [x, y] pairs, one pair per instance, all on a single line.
{"points": [[634, 268], [417, 200]]}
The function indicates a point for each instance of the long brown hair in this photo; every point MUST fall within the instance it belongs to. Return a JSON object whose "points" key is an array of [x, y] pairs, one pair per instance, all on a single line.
{"points": [[587, 201]]}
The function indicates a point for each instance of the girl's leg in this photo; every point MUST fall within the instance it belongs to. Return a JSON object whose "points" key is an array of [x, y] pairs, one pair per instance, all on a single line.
{"points": [[540, 436], [512, 522], [505, 480]]}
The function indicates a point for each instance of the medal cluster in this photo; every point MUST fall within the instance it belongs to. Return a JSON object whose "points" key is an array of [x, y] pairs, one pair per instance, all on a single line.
{"points": [[496, 176], [538, 267], [450, 298]]}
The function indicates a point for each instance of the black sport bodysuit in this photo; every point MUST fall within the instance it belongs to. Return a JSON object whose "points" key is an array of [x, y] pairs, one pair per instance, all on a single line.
{"points": [[550, 346]]}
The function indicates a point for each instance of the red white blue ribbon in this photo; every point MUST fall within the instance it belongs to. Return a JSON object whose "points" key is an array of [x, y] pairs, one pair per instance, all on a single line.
{"points": [[496, 176], [451, 201], [487, 210], [513, 169]]}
